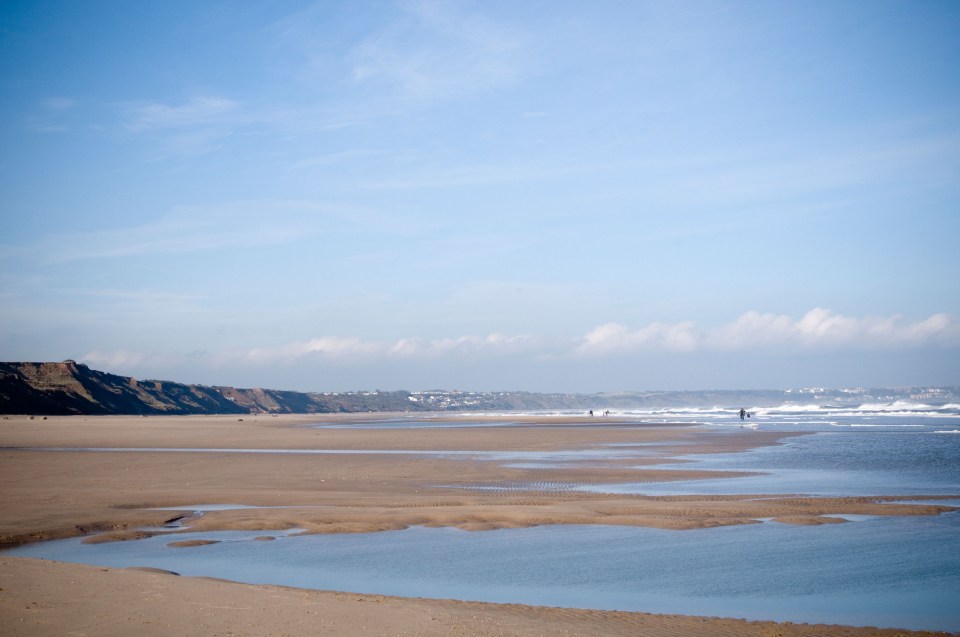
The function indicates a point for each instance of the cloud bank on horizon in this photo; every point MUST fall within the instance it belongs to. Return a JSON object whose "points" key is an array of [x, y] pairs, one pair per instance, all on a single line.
{"points": [[818, 329], [416, 194]]}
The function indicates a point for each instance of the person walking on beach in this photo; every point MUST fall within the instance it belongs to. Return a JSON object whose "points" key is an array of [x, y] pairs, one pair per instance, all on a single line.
{"points": [[743, 413]]}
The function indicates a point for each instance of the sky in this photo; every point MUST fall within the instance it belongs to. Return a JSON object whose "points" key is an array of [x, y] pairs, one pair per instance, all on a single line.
{"points": [[540, 196]]}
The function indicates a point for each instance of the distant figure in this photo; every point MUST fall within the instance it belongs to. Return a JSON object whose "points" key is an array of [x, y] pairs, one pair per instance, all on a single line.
{"points": [[743, 413], [591, 413]]}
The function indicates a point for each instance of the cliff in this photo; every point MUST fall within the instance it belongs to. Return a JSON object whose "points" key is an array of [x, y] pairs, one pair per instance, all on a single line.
{"points": [[73, 388]]}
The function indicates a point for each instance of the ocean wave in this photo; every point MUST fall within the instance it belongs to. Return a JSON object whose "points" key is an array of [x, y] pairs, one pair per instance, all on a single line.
{"points": [[884, 425], [897, 405], [789, 408]]}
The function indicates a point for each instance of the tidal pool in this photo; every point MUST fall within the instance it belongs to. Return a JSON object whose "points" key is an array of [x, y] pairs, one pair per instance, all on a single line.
{"points": [[891, 572]]}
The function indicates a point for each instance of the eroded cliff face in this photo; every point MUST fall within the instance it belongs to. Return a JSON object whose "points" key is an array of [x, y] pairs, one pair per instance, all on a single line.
{"points": [[72, 388]]}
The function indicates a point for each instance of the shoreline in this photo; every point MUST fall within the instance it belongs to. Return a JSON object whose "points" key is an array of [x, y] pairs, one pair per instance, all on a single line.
{"points": [[56, 494], [40, 597]]}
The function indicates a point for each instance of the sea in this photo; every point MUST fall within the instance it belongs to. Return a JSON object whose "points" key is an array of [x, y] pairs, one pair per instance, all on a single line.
{"points": [[885, 571]]}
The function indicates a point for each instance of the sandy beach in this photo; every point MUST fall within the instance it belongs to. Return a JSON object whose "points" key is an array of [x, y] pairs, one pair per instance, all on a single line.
{"points": [[69, 476]]}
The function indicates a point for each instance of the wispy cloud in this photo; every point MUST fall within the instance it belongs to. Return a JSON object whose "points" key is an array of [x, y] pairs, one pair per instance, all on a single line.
{"points": [[438, 51], [58, 104], [460, 176], [53, 114], [196, 112], [188, 229], [194, 127], [419, 54], [341, 157]]}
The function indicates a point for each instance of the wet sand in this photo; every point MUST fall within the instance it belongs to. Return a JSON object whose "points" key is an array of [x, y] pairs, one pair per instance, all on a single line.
{"points": [[62, 493]]}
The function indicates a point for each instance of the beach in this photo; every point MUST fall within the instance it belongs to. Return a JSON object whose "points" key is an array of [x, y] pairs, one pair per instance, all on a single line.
{"points": [[121, 476]]}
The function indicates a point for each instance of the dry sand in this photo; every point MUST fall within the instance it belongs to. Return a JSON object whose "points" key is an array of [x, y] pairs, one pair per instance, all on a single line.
{"points": [[59, 493]]}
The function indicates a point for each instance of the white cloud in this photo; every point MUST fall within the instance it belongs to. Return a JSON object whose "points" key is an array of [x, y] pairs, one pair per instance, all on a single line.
{"points": [[493, 344], [334, 347], [818, 328], [612, 338], [116, 360], [345, 348], [822, 328]]}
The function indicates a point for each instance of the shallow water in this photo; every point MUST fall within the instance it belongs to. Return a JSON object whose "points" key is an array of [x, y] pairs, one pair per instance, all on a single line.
{"points": [[850, 462], [894, 572]]}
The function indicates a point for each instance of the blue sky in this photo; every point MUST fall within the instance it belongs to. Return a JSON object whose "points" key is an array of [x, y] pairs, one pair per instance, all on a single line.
{"points": [[545, 196]]}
